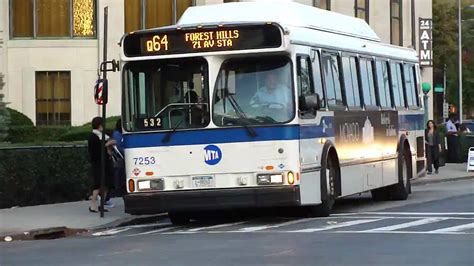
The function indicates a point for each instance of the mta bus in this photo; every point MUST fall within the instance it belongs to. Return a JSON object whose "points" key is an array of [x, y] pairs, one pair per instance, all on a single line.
{"points": [[249, 105]]}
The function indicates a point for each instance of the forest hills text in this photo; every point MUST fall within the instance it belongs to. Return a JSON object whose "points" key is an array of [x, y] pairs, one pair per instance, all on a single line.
{"points": [[211, 39]]}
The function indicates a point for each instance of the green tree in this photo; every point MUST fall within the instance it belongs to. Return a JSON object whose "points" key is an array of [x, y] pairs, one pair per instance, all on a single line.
{"points": [[4, 117], [445, 49]]}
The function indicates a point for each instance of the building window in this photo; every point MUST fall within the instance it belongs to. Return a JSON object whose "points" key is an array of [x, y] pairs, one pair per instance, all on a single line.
{"points": [[396, 22], [362, 9], [145, 14], [323, 4], [230, 1], [53, 98], [52, 18]]}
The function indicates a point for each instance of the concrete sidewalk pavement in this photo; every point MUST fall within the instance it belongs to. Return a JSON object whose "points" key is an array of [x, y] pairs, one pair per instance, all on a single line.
{"points": [[74, 217], [449, 172], [25, 222]]}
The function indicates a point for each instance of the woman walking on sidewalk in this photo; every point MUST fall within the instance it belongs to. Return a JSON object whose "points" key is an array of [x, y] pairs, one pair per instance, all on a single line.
{"points": [[432, 147], [94, 146]]}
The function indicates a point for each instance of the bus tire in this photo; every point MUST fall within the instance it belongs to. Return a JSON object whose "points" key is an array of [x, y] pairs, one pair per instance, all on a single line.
{"points": [[178, 218], [329, 174], [380, 194], [401, 190]]}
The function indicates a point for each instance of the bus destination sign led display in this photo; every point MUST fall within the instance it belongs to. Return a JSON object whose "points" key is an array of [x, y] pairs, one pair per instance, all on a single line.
{"points": [[163, 42]]}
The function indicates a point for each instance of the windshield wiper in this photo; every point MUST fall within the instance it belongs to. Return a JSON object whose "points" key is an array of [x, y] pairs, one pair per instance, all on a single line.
{"points": [[241, 114], [168, 135]]}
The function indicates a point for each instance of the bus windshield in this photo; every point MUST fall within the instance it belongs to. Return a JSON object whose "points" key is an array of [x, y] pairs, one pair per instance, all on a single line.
{"points": [[166, 94], [254, 91]]}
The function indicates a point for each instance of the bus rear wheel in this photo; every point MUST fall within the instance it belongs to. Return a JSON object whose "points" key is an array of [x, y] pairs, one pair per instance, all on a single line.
{"points": [[329, 172], [179, 218]]}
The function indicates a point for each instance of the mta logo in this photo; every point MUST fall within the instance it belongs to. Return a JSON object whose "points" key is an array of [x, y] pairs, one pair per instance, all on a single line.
{"points": [[212, 154]]}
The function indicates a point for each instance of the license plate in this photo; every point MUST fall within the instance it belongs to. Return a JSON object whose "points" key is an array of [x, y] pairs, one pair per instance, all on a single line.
{"points": [[203, 181]]}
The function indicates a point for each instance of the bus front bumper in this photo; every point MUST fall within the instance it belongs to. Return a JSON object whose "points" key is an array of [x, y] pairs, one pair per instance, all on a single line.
{"points": [[211, 199]]}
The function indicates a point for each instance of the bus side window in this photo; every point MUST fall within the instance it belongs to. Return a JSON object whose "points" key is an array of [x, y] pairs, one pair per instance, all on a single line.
{"points": [[410, 88], [397, 85], [383, 84], [305, 85], [332, 80], [367, 78], [317, 79], [349, 69]]}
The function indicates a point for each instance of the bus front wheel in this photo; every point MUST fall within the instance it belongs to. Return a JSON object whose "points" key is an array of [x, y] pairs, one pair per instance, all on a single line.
{"points": [[401, 190], [329, 173], [178, 218]]}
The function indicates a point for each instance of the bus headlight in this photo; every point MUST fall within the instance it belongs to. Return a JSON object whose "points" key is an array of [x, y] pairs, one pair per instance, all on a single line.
{"points": [[290, 177], [267, 179]]}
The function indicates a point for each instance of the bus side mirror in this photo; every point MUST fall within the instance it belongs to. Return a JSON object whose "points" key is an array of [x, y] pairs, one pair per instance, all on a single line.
{"points": [[310, 102]]}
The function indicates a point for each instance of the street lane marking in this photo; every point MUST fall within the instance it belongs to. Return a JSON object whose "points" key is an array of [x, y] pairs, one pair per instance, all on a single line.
{"points": [[154, 231], [401, 217], [213, 227], [405, 213], [334, 226], [406, 225], [453, 228], [146, 225], [403, 232], [110, 232], [264, 227]]}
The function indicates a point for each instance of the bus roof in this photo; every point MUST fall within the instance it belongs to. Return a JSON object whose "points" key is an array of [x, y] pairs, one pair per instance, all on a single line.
{"points": [[283, 12]]}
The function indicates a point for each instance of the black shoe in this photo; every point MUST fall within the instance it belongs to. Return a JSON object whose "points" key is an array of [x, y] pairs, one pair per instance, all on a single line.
{"points": [[436, 171], [429, 173], [91, 210]]}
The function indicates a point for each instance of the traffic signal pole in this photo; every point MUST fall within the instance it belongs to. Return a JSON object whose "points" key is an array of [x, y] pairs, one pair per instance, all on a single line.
{"points": [[104, 117], [105, 96]]}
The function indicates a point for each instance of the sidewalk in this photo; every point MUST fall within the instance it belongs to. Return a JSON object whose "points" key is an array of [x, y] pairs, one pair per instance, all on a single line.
{"points": [[69, 218], [449, 172], [65, 218]]}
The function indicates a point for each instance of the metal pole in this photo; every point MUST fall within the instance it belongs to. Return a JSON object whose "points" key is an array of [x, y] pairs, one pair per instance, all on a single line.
{"points": [[460, 60], [425, 102], [104, 95], [445, 91]]}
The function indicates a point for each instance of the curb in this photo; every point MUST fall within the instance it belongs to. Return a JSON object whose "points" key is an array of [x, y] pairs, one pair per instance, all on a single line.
{"points": [[63, 231], [41, 234], [427, 180]]}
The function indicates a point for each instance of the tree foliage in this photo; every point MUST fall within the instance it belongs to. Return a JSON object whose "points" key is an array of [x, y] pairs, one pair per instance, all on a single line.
{"points": [[445, 50], [4, 117]]}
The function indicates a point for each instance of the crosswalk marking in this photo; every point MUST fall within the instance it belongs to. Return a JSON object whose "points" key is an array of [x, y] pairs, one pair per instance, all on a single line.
{"points": [[378, 224], [214, 227], [264, 227], [110, 232], [406, 225], [454, 228], [407, 213], [153, 231], [334, 226]]}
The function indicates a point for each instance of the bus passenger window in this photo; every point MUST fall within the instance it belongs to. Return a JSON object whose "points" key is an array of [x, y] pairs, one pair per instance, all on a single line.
{"points": [[410, 87], [367, 78], [317, 80], [349, 70], [332, 80], [383, 84], [397, 85]]}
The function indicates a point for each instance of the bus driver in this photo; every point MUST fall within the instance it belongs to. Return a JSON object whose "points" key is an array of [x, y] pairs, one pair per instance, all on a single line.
{"points": [[274, 94]]}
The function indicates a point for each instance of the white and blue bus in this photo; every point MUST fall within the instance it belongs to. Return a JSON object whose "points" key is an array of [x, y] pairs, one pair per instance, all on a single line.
{"points": [[265, 105]]}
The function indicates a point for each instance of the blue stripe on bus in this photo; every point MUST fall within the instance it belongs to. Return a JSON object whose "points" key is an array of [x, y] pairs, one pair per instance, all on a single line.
{"points": [[226, 135]]}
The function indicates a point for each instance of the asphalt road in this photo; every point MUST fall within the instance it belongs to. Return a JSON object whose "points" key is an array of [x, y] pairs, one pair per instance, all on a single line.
{"points": [[434, 227]]}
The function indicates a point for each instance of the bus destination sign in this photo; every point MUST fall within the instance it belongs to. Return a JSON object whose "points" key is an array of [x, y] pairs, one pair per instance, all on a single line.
{"points": [[164, 42]]}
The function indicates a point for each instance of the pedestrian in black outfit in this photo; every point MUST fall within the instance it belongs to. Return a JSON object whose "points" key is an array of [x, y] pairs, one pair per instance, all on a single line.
{"points": [[452, 139], [432, 147], [94, 147]]}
